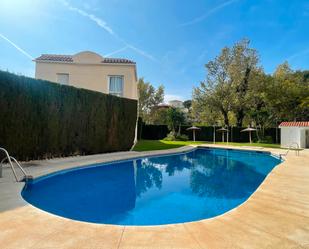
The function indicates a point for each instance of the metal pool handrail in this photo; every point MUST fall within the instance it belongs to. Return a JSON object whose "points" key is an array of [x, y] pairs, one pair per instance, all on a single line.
{"points": [[10, 159], [292, 147]]}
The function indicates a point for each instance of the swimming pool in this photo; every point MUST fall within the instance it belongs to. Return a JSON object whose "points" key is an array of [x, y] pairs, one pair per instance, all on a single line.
{"points": [[158, 190]]}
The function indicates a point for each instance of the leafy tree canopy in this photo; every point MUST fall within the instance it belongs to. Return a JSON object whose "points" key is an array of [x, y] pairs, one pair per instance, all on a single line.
{"points": [[236, 91], [149, 97], [175, 117]]}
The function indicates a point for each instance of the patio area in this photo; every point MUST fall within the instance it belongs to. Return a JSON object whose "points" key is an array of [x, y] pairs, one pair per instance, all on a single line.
{"points": [[275, 216]]}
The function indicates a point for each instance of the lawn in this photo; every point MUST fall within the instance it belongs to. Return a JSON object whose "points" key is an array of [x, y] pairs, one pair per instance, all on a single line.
{"points": [[276, 146], [145, 145]]}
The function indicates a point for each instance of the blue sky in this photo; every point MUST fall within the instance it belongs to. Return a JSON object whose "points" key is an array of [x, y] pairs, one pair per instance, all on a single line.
{"points": [[170, 40]]}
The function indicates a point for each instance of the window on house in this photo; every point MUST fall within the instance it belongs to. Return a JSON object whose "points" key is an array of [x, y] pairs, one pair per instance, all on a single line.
{"points": [[63, 78], [116, 85]]}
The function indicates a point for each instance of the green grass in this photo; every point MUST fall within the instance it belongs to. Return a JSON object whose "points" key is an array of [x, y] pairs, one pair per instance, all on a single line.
{"points": [[145, 145], [276, 146]]}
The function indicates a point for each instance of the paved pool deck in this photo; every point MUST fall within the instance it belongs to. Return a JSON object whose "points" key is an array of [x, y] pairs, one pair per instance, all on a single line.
{"points": [[275, 216]]}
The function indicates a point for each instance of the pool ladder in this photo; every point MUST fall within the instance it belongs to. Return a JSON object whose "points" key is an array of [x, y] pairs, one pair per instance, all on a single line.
{"points": [[9, 159], [291, 146]]}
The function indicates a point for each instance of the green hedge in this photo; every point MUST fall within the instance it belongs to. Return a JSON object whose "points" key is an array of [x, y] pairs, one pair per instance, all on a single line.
{"points": [[156, 132], [41, 119]]}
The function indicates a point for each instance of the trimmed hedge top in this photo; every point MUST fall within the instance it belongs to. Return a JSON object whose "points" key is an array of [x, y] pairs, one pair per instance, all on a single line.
{"points": [[41, 119]]}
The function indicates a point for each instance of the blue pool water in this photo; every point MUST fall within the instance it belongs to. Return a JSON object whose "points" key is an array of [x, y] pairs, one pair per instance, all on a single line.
{"points": [[155, 190]]}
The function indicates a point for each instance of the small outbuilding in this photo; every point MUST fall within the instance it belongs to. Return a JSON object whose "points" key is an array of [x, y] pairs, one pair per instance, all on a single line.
{"points": [[293, 133]]}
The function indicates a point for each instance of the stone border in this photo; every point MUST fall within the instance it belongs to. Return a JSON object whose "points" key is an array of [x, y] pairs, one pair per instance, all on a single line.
{"points": [[276, 215], [39, 168]]}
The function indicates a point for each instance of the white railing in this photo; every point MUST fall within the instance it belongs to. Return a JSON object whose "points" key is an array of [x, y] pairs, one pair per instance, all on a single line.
{"points": [[292, 147], [9, 159]]}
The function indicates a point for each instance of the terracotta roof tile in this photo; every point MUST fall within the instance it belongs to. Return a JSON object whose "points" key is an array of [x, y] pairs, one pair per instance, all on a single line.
{"points": [[55, 57], [69, 58], [117, 60], [295, 124]]}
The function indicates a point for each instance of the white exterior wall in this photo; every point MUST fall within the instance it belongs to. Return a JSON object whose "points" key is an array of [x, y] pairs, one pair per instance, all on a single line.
{"points": [[289, 135], [90, 76], [87, 71], [303, 137]]}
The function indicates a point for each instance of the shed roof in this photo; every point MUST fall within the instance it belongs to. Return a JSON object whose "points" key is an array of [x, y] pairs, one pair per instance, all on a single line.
{"points": [[295, 124]]}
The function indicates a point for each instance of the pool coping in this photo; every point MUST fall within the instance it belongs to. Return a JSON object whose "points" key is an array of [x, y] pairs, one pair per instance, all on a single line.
{"points": [[102, 164], [131, 156], [97, 164], [17, 187], [155, 153]]}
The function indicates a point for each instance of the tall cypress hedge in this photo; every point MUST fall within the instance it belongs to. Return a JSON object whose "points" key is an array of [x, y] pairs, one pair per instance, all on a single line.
{"points": [[41, 119]]}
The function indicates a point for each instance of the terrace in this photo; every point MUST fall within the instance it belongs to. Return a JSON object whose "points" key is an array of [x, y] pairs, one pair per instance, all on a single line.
{"points": [[275, 216], [217, 157]]}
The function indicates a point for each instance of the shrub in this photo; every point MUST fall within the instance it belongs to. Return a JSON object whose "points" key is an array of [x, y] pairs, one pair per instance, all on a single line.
{"points": [[170, 137], [41, 119], [182, 137], [175, 137], [266, 140]]}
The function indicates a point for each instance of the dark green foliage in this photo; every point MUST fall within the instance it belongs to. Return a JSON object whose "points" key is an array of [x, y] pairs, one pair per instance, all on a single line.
{"points": [[152, 132], [156, 132], [187, 104], [176, 137], [41, 119], [174, 117]]}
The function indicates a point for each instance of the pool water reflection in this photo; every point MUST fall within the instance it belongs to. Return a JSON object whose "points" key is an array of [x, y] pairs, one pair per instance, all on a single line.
{"points": [[156, 190]]}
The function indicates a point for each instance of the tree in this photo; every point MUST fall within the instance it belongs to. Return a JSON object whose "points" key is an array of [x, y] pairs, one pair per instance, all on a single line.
{"points": [[258, 113], [148, 98], [215, 92], [175, 117], [236, 88], [158, 116], [241, 70], [227, 84], [205, 114], [286, 94], [304, 105], [187, 103], [282, 71]]}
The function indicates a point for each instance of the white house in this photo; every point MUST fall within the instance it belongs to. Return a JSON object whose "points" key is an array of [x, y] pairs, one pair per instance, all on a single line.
{"points": [[176, 103], [294, 132]]}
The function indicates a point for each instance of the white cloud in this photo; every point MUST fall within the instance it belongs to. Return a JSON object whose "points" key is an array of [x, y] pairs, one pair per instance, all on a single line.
{"points": [[141, 52], [116, 51], [209, 13], [103, 24], [92, 17], [16, 46]]}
